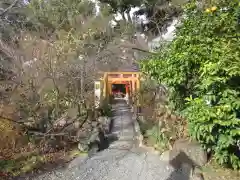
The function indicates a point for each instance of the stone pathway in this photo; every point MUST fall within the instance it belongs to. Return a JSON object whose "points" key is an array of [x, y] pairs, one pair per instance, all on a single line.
{"points": [[123, 160]]}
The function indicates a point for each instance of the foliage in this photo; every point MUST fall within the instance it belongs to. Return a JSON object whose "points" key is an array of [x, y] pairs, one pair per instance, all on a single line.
{"points": [[105, 108], [159, 125], [27, 162], [53, 66], [21, 165], [11, 137], [202, 64], [159, 14], [164, 128], [50, 52], [158, 138], [67, 13], [121, 5], [12, 20]]}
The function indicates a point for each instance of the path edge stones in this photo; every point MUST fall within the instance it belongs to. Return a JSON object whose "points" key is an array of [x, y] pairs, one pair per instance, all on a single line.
{"points": [[137, 131]]}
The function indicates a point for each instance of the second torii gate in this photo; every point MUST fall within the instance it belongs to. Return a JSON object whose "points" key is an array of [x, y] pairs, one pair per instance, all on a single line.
{"points": [[130, 79], [103, 87]]}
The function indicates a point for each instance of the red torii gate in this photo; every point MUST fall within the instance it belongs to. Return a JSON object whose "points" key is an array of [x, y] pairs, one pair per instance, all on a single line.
{"points": [[130, 79]]}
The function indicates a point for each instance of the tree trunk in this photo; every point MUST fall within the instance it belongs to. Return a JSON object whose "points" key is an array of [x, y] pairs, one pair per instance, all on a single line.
{"points": [[123, 17], [129, 17], [57, 103]]}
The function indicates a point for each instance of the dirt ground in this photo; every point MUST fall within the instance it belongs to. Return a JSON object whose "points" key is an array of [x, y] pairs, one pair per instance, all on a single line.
{"points": [[214, 172]]}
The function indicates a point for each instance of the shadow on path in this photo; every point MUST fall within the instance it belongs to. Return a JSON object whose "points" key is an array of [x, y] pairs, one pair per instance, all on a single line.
{"points": [[184, 167]]}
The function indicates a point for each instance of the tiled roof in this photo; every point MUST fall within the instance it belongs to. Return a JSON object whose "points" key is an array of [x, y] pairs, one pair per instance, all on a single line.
{"points": [[134, 67]]}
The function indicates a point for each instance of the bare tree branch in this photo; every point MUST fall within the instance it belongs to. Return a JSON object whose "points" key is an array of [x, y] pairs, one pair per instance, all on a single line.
{"points": [[142, 50], [9, 8]]}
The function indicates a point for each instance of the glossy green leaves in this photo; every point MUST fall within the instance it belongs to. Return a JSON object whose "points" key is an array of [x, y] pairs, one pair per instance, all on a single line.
{"points": [[201, 67]]}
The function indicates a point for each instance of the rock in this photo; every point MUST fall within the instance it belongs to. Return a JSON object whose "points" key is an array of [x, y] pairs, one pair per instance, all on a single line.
{"points": [[87, 125], [94, 135], [168, 155], [179, 160], [176, 159], [141, 119], [76, 124], [140, 139], [193, 151], [191, 172], [106, 124], [81, 133], [82, 146], [94, 124], [197, 174], [187, 170], [93, 149], [102, 119]]}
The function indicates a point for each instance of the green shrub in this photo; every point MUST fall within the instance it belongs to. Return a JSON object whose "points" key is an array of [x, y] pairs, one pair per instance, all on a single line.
{"points": [[201, 68], [157, 138]]}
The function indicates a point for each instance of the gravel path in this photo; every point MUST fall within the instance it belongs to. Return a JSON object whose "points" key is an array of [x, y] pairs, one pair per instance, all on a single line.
{"points": [[121, 161]]}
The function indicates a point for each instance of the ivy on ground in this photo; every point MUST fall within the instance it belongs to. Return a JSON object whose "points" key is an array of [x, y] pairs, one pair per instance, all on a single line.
{"points": [[201, 67]]}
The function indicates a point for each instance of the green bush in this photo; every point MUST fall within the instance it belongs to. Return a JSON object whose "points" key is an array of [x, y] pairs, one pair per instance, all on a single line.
{"points": [[157, 138], [201, 68]]}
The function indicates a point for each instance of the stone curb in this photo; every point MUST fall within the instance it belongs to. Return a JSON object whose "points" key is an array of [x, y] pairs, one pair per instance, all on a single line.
{"points": [[107, 125], [137, 131], [139, 136]]}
